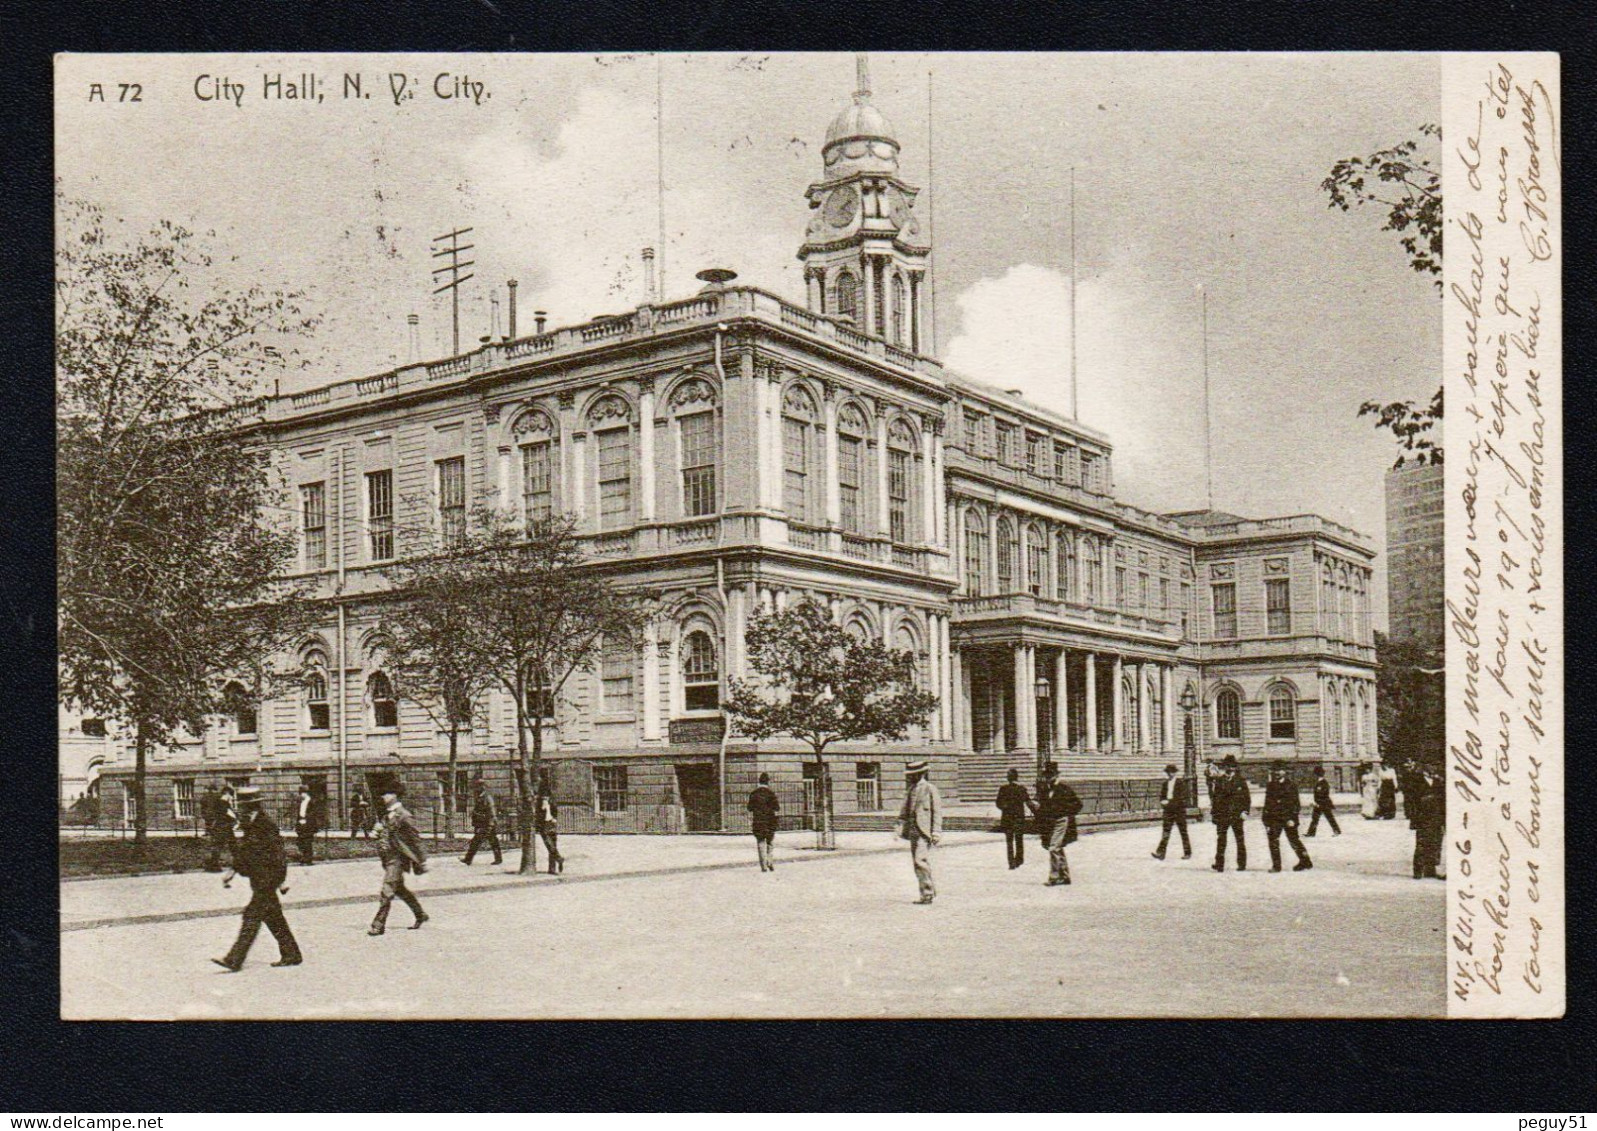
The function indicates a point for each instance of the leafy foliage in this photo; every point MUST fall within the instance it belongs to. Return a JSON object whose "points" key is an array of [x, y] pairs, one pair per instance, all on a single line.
{"points": [[1415, 428], [1410, 704], [170, 565]]}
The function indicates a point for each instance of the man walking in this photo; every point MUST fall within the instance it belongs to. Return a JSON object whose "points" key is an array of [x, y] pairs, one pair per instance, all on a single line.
{"points": [[399, 848], [219, 825], [1427, 811], [1056, 822], [921, 823], [305, 826], [1013, 801], [1229, 802], [259, 857], [1281, 806], [484, 824], [360, 815], [1173, 806], [547, 816], [1211, 776], [763, 808], [1322, 805]]}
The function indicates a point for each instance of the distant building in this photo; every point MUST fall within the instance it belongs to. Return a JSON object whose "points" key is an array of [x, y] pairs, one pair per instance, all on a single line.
{"points": [[728, 452], [1414, 549]]}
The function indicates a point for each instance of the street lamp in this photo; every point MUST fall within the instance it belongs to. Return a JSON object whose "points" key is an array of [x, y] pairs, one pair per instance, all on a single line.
{"points": [[1042, 714], [1188, 701]]}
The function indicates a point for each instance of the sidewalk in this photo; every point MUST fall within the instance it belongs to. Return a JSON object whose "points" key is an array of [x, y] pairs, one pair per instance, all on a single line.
{"points": [[117, 901]]}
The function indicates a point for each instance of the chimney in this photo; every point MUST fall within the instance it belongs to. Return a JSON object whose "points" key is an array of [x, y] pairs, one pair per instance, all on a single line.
{"points": [[539, 317], [413, 354], [493, 316], [510, 332], [715, 278], [650, 294]]}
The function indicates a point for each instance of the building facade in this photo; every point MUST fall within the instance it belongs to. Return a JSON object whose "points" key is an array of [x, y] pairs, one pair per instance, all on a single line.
{"points": [[1414, 555], [731, 452]]}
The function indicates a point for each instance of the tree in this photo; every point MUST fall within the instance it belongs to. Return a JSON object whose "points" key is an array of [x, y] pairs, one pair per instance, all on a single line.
{"points": [[532, 612], [1410, 701], [823, 685], [1408, 185], [170, 564]]}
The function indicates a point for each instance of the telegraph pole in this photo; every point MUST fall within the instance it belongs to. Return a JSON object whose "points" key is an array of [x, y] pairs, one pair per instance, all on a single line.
{"points": [[453, 268]]}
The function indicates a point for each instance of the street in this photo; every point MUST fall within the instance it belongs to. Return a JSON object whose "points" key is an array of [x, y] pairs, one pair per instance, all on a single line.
{"points": [[674, 927]]}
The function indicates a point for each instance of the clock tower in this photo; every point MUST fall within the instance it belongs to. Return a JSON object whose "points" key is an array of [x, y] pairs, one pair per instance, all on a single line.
{"points": [[864, 252]]}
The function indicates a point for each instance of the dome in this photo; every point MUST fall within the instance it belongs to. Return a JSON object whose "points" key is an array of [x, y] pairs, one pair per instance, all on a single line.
{"points": [[859, 120]]}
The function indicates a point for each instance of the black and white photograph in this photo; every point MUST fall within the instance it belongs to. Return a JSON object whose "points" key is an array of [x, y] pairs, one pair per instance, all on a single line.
{"points": [[809, 535]]}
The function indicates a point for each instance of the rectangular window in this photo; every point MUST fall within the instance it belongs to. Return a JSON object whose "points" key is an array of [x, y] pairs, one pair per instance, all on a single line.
{"points": [[1225, 610], [183, 798], [1089, 471], [93, 728], [452, 500], [537, 481], [616, 674], [898, 495], [1278, 606], [698, 464], [313, 511], [462, 790], [1164, 596], [975, 558], [973, 430], [615, 478], [1142, 591], [1186, 610], [1091, 575], [1061, 463], [848, 482], [1036, 565], [796, 469], [1120, 587], [1034, 453], [1006, 444], [610, 788], [380, 515], [867, 786]]}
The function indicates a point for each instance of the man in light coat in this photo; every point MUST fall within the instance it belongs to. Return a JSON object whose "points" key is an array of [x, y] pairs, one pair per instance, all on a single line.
{"points": [[400, 849], [921, 823]]}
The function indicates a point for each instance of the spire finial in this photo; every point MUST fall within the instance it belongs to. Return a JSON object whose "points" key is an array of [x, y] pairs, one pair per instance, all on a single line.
{"points": [[862, 83]]}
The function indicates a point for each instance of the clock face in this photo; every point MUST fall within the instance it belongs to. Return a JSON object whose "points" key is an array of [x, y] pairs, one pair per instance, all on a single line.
{"points": [[841, 206]]}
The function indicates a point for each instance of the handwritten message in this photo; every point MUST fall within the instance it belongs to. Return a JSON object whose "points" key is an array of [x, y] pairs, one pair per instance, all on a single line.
{"points": [[1502, 353]]}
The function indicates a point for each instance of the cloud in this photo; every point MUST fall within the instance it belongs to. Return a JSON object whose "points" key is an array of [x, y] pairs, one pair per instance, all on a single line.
{"points": [[1014, 332]]}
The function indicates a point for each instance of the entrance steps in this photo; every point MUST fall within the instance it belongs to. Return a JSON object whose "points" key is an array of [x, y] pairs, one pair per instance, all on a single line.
{"points": [[982, 772]]}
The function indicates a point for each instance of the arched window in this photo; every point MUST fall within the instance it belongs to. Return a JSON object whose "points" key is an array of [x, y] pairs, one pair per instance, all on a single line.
{"points": [[1065, 566], [1351, 706], [1228, 714], [242, 709], [1128, 713], [851, 432], [1283, 714], [318, 715], [701, 675], [1091, 572], [1334, 718], [384, 707], [900, 482], [857, 627], [798, 452], [1036, 561], [847, 293], [1008, 551], [898, 308], [1156, 732], [975, 554]]}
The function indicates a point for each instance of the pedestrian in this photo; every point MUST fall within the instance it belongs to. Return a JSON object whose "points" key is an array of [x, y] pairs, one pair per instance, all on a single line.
{"points": [[360, 815], [1281, 808], [1427, 811], [1211, 774], [259, 857], [920, 822], [219, 825], [1369, 791], [1322, 804], [1057, 807], [1173, 807], [1013, 802], [1386, 806], [763, 808], [1230, 803], [305, 826], [400, 849], [484, 824], [547, 816]]}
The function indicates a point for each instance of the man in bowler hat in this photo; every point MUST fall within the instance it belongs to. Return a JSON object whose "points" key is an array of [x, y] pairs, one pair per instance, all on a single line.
{"points": [[1173, 807], [399, 848], [1013, 801], [1322, 805], [1427, 810], [259, 856], [1229, 801], [921, 823], [1281, 806], [1057, 806], [484, 824]]}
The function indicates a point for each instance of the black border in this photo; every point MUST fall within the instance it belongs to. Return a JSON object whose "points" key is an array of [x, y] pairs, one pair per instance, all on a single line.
{"points": [[50, 1066]]}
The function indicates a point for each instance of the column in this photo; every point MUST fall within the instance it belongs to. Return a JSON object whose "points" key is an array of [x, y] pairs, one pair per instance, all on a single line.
{"points": [[947, 688], [1025, 698], [834, 506], [646, 452], [928, 530], [1144, 709], [509, 500], [812, 290], [867, 321], [761, 463], [1117, 705], [651, 682], [1091, 703], [738, 605], [882, 524], [992, 548], [578, 492], [1167, 686], [939, 491], [1062, 701]]}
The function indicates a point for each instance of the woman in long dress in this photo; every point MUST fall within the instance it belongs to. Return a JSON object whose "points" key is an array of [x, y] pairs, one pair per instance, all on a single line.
{"points": [[1386, 807], [1369, 788]]}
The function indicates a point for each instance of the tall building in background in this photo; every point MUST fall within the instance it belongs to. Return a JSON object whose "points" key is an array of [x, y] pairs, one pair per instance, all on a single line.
{"points": [[1414, 555]]}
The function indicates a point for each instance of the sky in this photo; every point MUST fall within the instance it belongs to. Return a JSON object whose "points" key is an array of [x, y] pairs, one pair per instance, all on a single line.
{"points": [[1196, 182]]}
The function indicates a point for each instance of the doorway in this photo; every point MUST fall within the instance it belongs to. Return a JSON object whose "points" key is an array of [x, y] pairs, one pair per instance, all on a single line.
{"points": [[701, 799]]}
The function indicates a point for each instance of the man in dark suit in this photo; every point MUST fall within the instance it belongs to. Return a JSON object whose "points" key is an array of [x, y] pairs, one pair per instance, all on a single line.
{"points": [[1322, 804], [1056, 822], [484, 824], [217, 815], [1229, 801], [1427, 810], [259, 856], [1013, 801], [399, 848], [1173, 806], [305, 825], [763, 808], [1281, 807]]}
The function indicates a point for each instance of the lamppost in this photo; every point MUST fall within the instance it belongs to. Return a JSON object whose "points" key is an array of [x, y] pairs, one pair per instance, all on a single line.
{"points": [[1190, 749], [1042, 713]]}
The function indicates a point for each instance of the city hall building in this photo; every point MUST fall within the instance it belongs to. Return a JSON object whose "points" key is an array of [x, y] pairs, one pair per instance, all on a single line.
{"points": [[729, 452]]}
